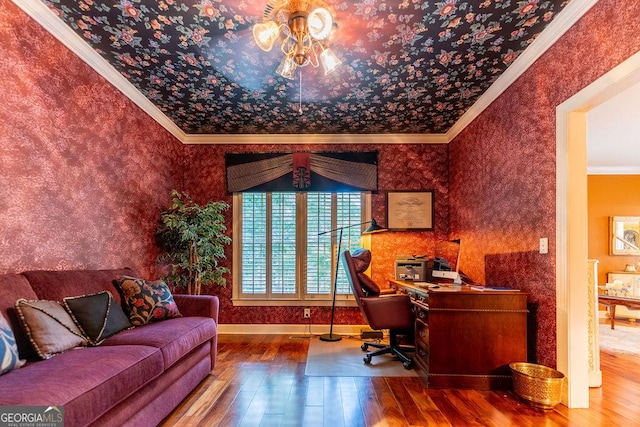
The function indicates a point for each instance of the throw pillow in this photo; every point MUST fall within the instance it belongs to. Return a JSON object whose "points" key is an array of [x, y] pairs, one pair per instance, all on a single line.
{"points": [[147, 301], [97, 316], [49, 327], [8, 349]]}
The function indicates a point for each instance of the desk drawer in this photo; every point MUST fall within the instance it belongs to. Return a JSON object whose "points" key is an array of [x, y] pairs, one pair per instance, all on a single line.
{"points": [[421, 311], [422, 354], [422, 333]]}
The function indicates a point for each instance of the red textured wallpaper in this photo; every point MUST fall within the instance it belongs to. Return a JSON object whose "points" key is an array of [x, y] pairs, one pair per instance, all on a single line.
{"points": [[83, 171], [502, 171], [400, 167]]}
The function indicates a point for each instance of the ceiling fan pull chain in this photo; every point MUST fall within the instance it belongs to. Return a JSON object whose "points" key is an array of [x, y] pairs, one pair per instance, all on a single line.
{"points": [[300, 93]]}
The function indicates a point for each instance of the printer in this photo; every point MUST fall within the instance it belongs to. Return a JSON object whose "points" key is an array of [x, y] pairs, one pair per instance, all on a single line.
{"points": [[412, 267]]}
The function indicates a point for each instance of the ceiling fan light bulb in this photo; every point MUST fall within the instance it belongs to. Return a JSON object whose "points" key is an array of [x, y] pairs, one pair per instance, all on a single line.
{"points": [[319, 23], [329, 61], [265, 34]]}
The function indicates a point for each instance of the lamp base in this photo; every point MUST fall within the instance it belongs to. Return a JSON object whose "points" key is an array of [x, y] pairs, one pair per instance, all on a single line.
{"points": [[330, 337]]}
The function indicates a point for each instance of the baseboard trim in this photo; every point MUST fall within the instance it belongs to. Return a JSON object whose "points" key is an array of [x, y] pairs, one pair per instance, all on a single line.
{"points": [[302, 329], [595, 379]]}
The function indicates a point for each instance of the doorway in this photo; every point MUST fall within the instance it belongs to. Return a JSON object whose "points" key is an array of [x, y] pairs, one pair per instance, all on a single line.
{"points": [[571, 225]]}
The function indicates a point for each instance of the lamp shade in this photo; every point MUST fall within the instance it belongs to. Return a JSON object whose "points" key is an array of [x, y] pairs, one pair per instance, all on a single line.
{"points": [[286, 68], [301, 29], [265, 34], [373, 228], [329, 61]]}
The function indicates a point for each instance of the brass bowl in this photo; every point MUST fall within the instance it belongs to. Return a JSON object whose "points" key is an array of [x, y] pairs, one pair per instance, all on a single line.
{"points": [[539, 385]]}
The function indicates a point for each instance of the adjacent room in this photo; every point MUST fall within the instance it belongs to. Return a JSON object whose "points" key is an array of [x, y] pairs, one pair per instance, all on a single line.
{"points": [[220, 212]]}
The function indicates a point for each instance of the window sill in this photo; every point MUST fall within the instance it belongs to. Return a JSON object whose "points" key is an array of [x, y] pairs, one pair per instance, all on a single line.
{"points": [[291, 303]]}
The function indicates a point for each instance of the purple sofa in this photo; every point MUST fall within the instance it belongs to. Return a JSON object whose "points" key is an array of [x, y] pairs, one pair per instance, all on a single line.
{"points": [[136, 377]]}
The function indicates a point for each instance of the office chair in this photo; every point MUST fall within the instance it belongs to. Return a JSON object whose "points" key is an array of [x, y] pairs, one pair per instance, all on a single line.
{"points": [[391, 312]]}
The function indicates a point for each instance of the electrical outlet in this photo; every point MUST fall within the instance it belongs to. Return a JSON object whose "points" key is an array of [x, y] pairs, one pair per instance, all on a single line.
{"points": [[307, 313]]}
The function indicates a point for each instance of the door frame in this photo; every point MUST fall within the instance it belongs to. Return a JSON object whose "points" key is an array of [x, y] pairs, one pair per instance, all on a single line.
{"points": [[572, 235]]}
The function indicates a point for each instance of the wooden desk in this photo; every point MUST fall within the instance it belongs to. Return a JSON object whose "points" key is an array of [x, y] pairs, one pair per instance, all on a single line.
{"points": [[466, 338], [611, 302]]}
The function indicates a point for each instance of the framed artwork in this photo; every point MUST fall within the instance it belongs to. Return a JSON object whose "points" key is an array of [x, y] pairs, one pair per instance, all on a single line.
{"points": [[625, 235], [410, 210]]}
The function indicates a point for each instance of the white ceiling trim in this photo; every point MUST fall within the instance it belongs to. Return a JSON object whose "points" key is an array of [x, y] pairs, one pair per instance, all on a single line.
{"points": [[613, 170], [54, 25], [350, 138]]}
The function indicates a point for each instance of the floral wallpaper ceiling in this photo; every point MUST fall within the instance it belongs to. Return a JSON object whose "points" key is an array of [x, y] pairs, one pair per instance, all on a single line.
{"points": [[408, 66]]}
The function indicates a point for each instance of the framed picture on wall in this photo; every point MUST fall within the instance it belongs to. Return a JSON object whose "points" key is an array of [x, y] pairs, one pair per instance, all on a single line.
{"points": [[410, 210], [625, 235]]}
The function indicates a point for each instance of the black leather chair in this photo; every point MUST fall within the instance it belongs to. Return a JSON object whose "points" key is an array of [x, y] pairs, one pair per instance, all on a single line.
{"points": [[392, 312]]}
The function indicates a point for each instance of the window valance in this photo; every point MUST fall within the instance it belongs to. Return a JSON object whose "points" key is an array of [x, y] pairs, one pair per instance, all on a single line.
{"points": [[302, 171]]}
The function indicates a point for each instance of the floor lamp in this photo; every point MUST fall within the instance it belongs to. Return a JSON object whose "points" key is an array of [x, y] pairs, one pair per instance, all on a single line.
{"points": [[373, 228]]}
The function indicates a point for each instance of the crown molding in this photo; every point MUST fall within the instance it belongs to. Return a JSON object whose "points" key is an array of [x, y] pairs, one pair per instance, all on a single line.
{"points": [[561, 23], [613, 170], [54, 25], [371, 138]]}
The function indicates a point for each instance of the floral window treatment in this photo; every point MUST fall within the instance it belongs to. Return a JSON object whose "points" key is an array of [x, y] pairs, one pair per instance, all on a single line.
{"points": [[302, 171]]}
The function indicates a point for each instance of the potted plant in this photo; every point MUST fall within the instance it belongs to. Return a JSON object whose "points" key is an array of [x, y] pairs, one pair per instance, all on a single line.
{"points": [[192, 238]]}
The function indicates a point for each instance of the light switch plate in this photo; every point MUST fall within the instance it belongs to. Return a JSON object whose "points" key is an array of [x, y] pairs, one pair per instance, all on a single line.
{"points": [[544, 245]]}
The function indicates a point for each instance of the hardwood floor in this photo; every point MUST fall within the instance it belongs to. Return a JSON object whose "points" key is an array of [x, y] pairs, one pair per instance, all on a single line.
{"points": [[260, 381]]}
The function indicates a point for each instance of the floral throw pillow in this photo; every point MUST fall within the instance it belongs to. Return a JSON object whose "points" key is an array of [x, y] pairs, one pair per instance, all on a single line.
{"points": [[8, 349], [146, 301]]}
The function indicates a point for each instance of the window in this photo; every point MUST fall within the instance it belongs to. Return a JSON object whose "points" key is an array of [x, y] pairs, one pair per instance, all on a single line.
{"points": [[281, 255]]}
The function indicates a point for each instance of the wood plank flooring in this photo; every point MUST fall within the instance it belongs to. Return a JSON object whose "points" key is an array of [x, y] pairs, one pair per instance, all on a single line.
{"points": [[260, 381]]}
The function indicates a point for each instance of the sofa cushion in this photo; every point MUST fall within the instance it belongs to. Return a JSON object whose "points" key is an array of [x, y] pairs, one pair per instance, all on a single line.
{"points": [[174, 337], [97, 316], [56, 285], [49, 326], [12, 288], [147, 301], [149, 405], [87, 381], [9, 358]]}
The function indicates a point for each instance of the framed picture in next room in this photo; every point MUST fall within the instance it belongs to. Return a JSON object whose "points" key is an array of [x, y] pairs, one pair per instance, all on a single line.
{"points": [[410, 210], [625, 235]]}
